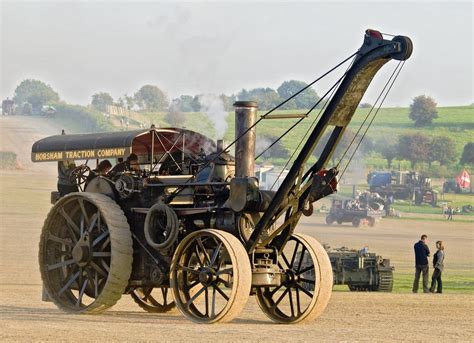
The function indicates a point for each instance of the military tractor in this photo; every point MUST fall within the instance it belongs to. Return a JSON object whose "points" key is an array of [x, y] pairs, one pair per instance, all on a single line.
{"points": [[360, 270], [182, 223], [354, 212], [404, 185]]}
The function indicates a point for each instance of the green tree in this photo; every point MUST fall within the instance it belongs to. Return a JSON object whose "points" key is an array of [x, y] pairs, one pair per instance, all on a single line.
{"points": [[151, 98], [228, 101], [184, 103], [388, 148], [414, 148], [442, 149], [35, 92], [101, 100], [129, 101], [266, 98], [305, 100], [423, 110], [467, 156]]}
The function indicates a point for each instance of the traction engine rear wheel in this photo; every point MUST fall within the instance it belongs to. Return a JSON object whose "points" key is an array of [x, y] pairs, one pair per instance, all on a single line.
{"points": [[210, 276], [307, 285], [85, 253], [154, 300]]}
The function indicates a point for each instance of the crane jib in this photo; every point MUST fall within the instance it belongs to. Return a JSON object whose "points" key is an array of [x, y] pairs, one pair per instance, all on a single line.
{"points": [[372, 55]]}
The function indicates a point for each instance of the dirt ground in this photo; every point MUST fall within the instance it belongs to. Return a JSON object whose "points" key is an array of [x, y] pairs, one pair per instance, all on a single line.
{"points": [[350, 316]]}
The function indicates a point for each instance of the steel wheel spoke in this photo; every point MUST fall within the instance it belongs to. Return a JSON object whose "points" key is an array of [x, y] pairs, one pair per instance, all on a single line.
{"points": [[98, 269], [102, 254], [194, 297], [196, 252], [69, 283], [59, 264], [96, 284], [215, 254], [81, 293], [305, 291], [106, 267], [291, 302], [201, 246], [301, 259], [275, 305], [275, 290], [298, 303], [206, 296], [305, 270], [307, 281], [107, 242], [93, 222], [72, 226], [189, 270], [100, 237], [213, 307], [83, 210], [286, 261], [221, 292], [294, 254], [60, 240]]}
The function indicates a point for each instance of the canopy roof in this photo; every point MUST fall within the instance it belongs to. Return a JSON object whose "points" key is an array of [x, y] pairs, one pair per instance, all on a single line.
{"points": [[120, 144]]}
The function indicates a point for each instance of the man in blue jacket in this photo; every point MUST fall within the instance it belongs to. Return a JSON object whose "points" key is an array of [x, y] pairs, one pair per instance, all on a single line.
{"points": [[422, 252]]}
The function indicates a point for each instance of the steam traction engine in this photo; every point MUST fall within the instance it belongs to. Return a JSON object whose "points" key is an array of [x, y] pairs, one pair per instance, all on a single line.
{"points": [[186, 225]]}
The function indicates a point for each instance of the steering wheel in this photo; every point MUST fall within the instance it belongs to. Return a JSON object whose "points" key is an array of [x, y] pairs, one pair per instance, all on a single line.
{"points": [[79, 176]]}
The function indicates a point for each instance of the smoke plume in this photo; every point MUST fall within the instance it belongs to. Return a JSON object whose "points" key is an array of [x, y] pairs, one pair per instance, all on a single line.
{"points": [[213, 106]]}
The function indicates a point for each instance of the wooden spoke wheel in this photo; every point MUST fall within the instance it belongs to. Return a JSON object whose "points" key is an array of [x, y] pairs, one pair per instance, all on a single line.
{"points": [[210, 276], [85, 253], [154, 300], [306, 285]]}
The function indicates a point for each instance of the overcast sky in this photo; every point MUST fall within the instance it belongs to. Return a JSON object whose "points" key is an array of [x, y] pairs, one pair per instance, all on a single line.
{"points": [[80, 48]]}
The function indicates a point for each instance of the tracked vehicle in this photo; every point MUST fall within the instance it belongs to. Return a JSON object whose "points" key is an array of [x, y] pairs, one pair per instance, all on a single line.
{"points": [[187, 226], [361, 270]]}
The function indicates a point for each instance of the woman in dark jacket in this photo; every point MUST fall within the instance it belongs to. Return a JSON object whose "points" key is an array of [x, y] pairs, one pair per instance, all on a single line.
{"points": [[438, 265]]}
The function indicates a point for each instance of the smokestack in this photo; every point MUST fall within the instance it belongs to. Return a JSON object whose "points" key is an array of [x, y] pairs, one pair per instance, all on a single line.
{"points": [[245, 116]]}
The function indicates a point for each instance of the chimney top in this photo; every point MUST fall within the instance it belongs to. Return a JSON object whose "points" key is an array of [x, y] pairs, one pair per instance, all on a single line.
{"points": [[245, 104]]}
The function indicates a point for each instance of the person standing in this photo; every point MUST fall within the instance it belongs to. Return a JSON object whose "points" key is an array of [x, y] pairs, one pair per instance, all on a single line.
{"points": [[65, 182], [438, 265], [450, 213], [422, 252]]}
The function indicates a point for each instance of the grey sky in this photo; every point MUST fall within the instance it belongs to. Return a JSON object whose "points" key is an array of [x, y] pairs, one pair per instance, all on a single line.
{"points": [[200, 47]]}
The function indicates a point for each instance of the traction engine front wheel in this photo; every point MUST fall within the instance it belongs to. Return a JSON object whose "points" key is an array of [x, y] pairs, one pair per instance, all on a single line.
{"points": [[85, 253]]}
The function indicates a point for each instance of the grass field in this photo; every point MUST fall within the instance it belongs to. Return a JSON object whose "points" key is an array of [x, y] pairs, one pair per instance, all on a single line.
{"points": [[455, 122], [453, 282]]}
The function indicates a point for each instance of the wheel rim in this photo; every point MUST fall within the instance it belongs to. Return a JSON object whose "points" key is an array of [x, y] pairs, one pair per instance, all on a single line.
{"points": [[305, 290], [211, 276], [156, 300], [76, 256]]}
